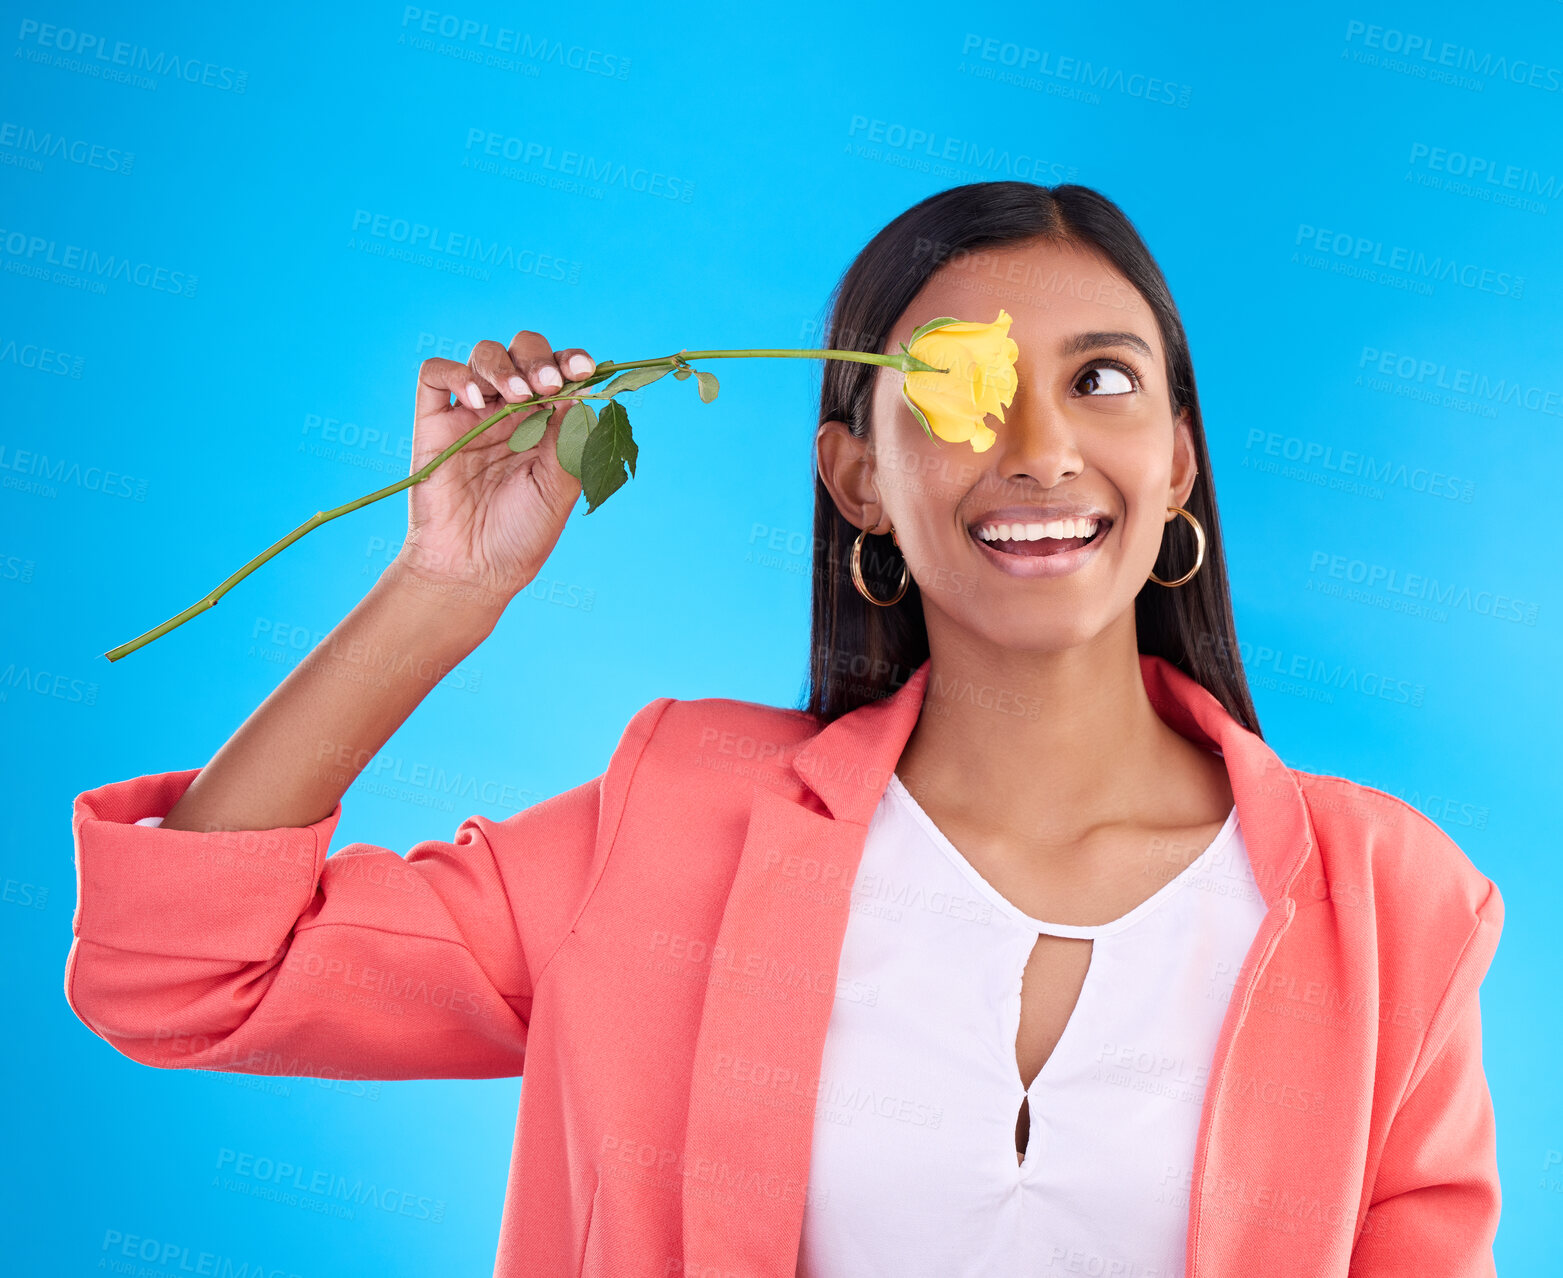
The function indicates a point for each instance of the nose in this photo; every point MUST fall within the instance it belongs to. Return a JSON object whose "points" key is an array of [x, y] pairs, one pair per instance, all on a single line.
{"points": [[1038, 441]]}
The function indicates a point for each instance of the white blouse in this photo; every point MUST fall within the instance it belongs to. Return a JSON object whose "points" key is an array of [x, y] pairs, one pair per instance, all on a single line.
{"points": [[914, 1168]]}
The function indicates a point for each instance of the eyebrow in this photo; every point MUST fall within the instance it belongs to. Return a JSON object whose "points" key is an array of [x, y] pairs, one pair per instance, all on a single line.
{"points": [[1081, 342]]}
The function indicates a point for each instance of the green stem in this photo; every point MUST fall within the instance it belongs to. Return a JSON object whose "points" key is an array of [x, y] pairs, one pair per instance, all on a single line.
{"points": [[907, 363]]}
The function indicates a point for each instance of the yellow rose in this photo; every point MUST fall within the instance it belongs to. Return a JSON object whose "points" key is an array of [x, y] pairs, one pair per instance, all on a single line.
{"points": [[980, 378]]}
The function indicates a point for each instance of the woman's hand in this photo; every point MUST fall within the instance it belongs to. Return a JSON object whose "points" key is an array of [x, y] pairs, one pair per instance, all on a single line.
{"points": [[488, 518]]}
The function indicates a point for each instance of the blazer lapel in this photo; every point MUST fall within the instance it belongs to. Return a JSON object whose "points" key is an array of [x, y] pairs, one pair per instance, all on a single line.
{"points": [[767, 1006], [1269, 803], [1249, 1152], [772, 986]]}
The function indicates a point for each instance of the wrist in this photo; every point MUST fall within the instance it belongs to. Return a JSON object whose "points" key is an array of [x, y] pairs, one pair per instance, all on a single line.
{"points": [[461, 612]]}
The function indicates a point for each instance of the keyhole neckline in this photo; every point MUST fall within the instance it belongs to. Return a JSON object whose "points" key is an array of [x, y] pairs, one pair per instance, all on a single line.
{"points": [[1051, 1066], [1089, 931]]}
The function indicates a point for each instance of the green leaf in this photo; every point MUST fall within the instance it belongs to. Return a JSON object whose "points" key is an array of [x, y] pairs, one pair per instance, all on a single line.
{"points": [[579, 422], [681, 373], [533, 423], [918, 413], [635, 379], [930, 326], [707, 386], [609, 448]]}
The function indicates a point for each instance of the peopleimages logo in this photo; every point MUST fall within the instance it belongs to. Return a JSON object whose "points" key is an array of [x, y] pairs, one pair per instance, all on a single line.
{"points": [[41, 359], [499, 41], [997, 161], [31, 147], [100, 56], [420, 238], [575, 164], [39, 257], [1445, 53], [1021, 63], [283, 1174], [1485, 170], [1362, 251], [20, 466], [126, 1253], [1437, 375], [1392, 580]]}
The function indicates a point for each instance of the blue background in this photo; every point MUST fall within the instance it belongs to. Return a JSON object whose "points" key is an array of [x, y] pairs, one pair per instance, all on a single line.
{"points": [[234, 414]]}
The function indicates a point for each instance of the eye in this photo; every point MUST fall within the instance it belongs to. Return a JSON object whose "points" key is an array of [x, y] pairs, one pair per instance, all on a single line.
{"points": [[1109, 377]]}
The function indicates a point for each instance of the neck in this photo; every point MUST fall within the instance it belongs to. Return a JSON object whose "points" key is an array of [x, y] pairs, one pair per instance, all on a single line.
{"points": [[1053, 742]]}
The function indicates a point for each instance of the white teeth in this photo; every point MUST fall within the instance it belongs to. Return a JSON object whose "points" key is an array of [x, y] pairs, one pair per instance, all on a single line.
{"points": [[1061, 528]]}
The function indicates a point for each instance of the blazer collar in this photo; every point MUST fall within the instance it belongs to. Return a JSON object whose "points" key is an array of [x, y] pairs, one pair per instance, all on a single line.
{"points": [[848, 764], [768, 1000]]}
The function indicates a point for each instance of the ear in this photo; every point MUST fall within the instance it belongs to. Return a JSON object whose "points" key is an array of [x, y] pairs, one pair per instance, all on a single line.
{"points": [[1185, 468], [846, 467]]}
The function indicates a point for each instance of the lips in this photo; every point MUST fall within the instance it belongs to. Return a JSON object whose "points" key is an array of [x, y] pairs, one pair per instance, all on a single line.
{"points": [[1031, 558]]}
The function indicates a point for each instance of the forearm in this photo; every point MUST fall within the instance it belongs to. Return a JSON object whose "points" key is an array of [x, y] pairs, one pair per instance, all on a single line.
{"points": [[291, 761]]}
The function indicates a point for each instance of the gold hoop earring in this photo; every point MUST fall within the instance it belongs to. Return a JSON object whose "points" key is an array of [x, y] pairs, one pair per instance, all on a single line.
{"points": [[856, 564], [1199, 536]]}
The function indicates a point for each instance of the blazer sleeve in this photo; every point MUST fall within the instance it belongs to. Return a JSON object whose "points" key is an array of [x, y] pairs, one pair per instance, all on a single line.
{"points": [[253, 951], [1436, 1198]]}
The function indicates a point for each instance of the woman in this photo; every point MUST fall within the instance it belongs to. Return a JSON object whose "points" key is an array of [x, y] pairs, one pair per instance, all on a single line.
{"points": [[1018, 951]]}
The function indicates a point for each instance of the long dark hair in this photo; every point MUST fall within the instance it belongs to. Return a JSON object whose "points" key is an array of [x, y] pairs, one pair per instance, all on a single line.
{"points": [[860, 652]]}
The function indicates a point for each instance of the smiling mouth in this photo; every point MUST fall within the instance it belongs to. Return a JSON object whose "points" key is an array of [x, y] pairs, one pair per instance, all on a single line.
{"points": [[1036, 541]]}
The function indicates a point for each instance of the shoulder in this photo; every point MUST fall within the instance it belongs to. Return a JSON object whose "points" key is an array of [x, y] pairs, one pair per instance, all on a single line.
{"points": [[1383, 859], [685, 742], [682, 774], [1358, 826]]}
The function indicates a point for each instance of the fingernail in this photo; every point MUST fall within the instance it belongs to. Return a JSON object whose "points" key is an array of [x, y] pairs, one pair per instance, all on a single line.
{"points": [[517, 386], [550, 378], [578, 365], [475, 396]]}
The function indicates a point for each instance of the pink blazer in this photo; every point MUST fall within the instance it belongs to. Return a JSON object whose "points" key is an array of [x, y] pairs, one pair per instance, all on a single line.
{"points": [[657, 949]]}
